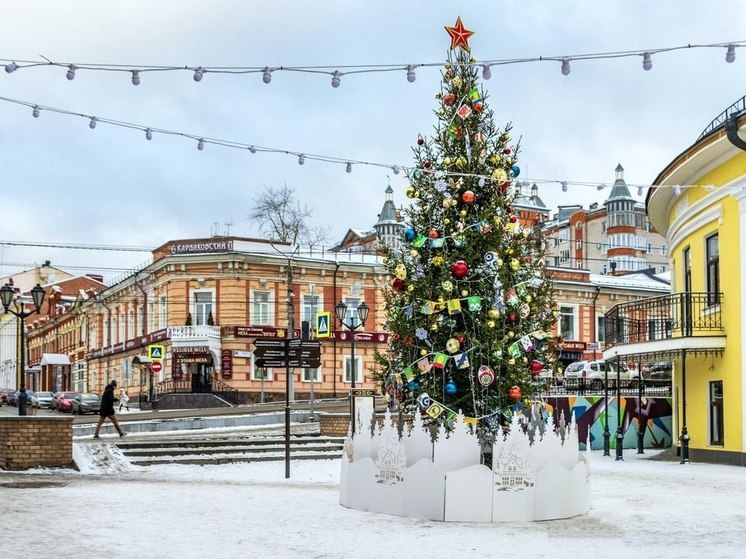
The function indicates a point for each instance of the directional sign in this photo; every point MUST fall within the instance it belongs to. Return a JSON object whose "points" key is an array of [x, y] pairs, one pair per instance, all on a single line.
{"points": [[156, 352], [323, 324], [156, 366], [269, 342], [304, 344], [299, 363]]}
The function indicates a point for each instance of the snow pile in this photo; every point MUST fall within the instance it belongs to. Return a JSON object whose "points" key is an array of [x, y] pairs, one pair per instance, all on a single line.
{"points": [[100, 459]]}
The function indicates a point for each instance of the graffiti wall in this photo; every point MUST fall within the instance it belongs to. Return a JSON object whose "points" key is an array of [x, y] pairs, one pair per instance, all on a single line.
{"points": [[593, 413]]}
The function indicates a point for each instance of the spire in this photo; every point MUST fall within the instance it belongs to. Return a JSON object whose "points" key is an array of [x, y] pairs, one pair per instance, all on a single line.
{"points": [[619, 191]]}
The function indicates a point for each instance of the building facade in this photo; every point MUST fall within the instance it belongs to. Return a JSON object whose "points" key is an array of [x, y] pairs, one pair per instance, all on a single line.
{"points": [[699, 203], [614, 237]]}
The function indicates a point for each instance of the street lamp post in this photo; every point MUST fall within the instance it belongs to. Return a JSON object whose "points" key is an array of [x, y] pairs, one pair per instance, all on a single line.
{"points": [[619, 434], [607, 434], [362, 312], [7, 294]]}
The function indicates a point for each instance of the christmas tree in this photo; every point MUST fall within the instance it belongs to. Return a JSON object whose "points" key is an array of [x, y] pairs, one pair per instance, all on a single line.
{"points": [[469, 309]]}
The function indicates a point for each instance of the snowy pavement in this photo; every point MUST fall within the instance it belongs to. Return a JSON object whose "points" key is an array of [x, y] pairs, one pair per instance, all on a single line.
{"points": [[644, 507]]}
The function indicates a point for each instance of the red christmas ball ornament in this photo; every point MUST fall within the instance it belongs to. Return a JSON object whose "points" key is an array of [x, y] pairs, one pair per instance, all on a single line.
{"points": [[510, 209], [515, 392], [449, 99], [426, 164], [503, 187], [434, 233], [535, 366], [398, 284], [409, 340], [506, 151], [459, 269], [420, 140], [397, 335], [512, 317], [513, 218], [468, 197], [477, 107]]}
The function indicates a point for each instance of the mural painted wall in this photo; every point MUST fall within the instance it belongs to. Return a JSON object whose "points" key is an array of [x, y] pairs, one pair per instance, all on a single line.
{"points": [[592, 412]]}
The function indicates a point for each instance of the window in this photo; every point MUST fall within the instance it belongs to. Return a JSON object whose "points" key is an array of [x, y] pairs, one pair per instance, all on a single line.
{"points": [[310, 306], [312, 375], [564, 255], [358, 369], [716, 413], [126, 373], [261, 311], [259, 373], [162, 312], [713, 270], [567, 323], [600, 329], [202, 306], [663, 249]]}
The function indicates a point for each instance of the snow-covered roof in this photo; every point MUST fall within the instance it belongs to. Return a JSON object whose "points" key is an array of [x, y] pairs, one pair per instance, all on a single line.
{"points": [[640, 281]]}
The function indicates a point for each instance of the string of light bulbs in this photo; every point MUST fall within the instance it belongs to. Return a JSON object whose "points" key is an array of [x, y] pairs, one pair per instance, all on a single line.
{"points": [[337, 71], [302, 157]]}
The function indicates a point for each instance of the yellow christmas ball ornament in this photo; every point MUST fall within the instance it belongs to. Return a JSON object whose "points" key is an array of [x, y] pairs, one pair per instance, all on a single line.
{"points": [[410, 192], [528, 298], [423, 352], [464, 292], [524, 360], [511, 361], [457, 81], [410, 288], [437, 261], [493, 313], [447, 286], [413, 253], [462, 213], [499, 175], [446, 221], [511, 334], [434, 327], [416, 193], [515, 264], [490, 324], [438, 95], [447, 161], [446, 203], [401, 271], [499, 262]]}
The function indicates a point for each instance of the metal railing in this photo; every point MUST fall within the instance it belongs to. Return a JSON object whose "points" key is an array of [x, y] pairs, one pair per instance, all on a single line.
{"points": [[658, 318], [596, 387], [737, 107], [185, 386]]}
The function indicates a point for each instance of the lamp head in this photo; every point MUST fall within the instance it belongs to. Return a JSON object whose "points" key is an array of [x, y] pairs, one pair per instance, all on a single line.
{"points": [[340, 310], [362, 312], [37, 294], [6, 296]]}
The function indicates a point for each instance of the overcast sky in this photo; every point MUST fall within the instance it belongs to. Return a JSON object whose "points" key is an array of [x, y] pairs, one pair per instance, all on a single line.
{"points": [[61, 182]]}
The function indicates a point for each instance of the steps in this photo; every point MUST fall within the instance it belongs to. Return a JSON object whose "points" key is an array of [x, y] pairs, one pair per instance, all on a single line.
{"points": [[226, 449]]}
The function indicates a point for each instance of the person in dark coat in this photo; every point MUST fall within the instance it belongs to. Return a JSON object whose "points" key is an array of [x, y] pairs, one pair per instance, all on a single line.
{"points": [[107, 409]]}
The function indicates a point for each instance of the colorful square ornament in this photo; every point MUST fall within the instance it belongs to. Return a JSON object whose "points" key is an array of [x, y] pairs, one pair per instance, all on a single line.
{"points": [[475, 303], [514, 350], [461, 360], [464, 111], [437, 243], [527, 343], [454, 306], [429, 308], [419, 241], [408, 373], [511, 297], [424, 364], [435, 410], [440, 360], [474, 94]]}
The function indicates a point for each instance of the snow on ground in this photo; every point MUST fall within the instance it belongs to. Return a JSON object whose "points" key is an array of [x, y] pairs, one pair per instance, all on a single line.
{"points": [[649, 508]]}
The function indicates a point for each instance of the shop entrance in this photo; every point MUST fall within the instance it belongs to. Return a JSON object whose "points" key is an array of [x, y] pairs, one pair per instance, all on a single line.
{"points": [[202, 378]]}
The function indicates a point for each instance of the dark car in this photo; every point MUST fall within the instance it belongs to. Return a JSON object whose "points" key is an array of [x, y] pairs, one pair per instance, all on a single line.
{"points": [[65, 401], [88, 402], [660, 370], [16, 395], [5, 396]]}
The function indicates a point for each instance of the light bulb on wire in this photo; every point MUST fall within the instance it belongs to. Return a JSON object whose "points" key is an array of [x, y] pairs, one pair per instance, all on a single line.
{"points": [[486, 72], [395, 169], [411, 76], [335, 78], [135, 77], [267, 76], [252, 149], [10, 68], [92, 123], [348, 168], [730, 55], [148, 134], [35, 112], [198, 73], [565, 66], [301, 159], [647, 62], [71, 72], [201, 144]]}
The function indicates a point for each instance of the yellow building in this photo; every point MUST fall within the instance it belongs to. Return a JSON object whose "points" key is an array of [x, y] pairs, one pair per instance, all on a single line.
{"points": [[699, 203]]}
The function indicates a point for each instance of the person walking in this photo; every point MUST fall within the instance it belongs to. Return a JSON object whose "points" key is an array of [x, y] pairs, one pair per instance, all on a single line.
{"points": [[107, 409], [124, 399]]}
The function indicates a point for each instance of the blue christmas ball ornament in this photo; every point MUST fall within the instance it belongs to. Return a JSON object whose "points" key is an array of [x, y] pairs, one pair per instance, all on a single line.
{"points": [[410, 234], [450, 388], [413, 385], [516, 170]]}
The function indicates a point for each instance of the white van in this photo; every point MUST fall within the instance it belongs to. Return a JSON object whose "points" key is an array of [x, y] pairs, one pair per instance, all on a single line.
{"points": [[596, 373]]}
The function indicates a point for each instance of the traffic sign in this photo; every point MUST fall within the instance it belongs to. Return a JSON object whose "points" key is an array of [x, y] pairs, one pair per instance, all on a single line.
{"points": [[323, 324], [156, 366], [157, 352]]}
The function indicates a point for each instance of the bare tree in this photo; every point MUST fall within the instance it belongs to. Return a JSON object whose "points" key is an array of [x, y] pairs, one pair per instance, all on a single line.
{"points": [[281, 217]]}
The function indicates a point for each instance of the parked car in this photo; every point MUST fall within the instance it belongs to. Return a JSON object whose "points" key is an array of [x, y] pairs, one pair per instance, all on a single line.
{"points": [[53, 405], [17, 394], [596, 372], [5, 396], [41, 399], [87, 402], [65, 401], [660, 370]]}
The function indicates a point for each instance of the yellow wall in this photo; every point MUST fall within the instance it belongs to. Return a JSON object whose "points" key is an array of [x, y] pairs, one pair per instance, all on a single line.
{"points": [[701, 370]]}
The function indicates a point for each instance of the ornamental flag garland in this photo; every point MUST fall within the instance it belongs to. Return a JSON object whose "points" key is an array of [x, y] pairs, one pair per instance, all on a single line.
{"points": [[469, 266]]}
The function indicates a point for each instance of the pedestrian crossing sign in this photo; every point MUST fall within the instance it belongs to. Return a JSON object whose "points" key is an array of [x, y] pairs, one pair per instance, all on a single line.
{"points": [[323, 328], [156, 352]]}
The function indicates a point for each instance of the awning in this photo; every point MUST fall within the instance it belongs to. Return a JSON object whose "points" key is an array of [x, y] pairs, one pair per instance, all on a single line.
{"points": [[55, 359], [138, 359]]}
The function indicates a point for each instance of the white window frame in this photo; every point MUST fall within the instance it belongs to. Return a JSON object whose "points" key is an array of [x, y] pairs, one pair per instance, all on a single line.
{"points": [[254, 376], [347, 379], [317, 375], [197, 308], [600, 332], [308, 311], [351, 315], [162, 312], [270, 320], [575, 324]]}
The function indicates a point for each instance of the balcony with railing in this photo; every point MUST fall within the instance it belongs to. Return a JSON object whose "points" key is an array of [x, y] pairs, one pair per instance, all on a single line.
{"points": [[665, 324]]}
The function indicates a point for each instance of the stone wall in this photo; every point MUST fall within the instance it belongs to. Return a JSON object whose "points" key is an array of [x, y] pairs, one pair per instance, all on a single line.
{"points": [[337, 424], [35, 442]]}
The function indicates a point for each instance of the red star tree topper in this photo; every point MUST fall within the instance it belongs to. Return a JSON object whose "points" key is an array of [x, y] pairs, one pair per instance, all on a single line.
{"points": [[459, 35]]}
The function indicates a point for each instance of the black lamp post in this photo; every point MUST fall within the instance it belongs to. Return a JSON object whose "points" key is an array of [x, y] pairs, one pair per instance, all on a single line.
{"points": [[607, 434], [7, 294], [619, 434], [362, 312]]}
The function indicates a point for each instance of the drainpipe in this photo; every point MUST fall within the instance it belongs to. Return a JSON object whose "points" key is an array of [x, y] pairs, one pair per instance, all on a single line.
{"points": [[595, 321], [334, 340], [144, 307], [731, 129], [108, 330]]}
